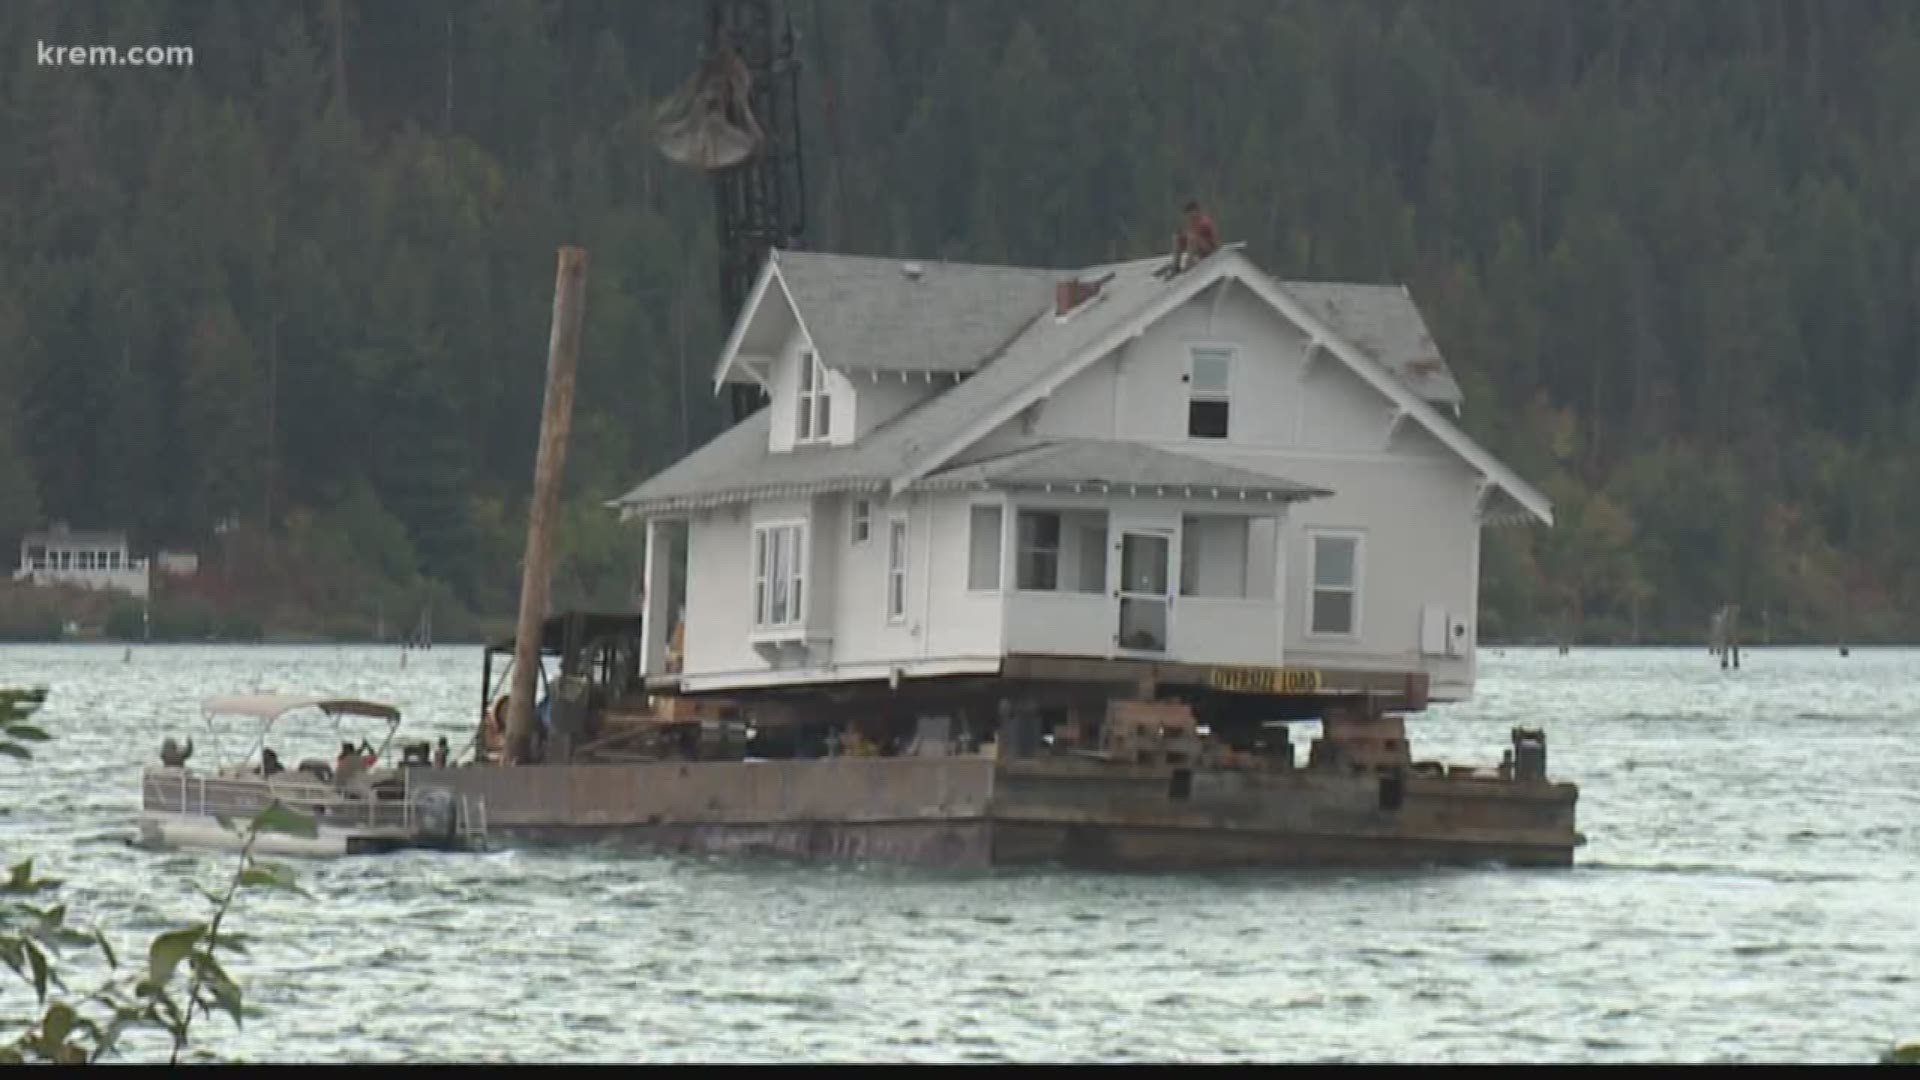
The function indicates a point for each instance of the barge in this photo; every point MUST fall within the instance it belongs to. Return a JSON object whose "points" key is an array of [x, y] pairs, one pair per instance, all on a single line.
{"points": [[1189, 768]]}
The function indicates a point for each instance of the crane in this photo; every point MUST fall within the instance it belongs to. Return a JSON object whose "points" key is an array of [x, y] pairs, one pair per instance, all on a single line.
{"points": [[738, 119]]}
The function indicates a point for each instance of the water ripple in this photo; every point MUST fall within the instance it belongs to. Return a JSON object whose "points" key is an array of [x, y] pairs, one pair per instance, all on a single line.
{"points": [[1752, 862]]}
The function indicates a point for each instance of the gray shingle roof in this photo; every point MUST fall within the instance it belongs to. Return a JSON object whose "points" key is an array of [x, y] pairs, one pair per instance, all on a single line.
{"points": [[870, 314], [1018, 352], [738, 465], [1106, 465], [1384, 321]]}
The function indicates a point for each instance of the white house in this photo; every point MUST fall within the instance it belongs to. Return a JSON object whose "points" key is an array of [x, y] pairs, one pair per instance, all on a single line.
{"points": [[961, 464], [92, 560]]}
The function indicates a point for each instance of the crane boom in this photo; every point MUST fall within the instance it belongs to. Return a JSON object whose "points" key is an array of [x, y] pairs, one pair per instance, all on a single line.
{"points": [[738, 119]]}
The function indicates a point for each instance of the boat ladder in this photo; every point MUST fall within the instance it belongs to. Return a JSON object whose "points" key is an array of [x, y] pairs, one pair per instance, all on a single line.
{"points": [[472, 825]]}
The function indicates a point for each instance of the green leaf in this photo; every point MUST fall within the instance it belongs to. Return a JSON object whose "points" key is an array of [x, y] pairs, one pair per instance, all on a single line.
{"points": [[277, 818], [27, 732], [270, 876], [58, 1022], [20, 879], [10, 1056], [38, 961], [1905, 1054], [16, 750], [227, 996], [112, 960], [210, 969], [64, 936], [168, 950]]}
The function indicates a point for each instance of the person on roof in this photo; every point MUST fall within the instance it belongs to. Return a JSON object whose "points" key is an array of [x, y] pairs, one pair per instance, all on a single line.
{"points": [[1197, 238]]}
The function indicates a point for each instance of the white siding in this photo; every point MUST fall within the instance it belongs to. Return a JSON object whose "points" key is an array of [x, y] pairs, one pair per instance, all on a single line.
{"points": [[861, 631], [720, 592], [958, 622], [844, 399], [1310, 421], [786, 387], [1319, 424]]}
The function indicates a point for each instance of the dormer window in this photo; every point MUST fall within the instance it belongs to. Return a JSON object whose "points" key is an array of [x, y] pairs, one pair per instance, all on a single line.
{"points": [[814, 403], [1209, 392]]}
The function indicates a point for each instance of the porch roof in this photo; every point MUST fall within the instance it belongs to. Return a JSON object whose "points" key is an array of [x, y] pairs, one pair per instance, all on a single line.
{"points": [[1108, 467]]}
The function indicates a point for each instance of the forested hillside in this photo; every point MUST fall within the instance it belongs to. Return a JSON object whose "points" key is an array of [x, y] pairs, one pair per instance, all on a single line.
{"points": [[302, 287]]}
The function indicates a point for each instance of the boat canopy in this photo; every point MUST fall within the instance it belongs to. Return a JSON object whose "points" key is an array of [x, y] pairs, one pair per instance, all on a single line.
{"points": [[274, 706]]}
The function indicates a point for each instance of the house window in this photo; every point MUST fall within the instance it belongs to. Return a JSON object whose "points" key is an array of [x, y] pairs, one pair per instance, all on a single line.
{"points": [[1336, 584], [983, 549], [896, 570], [1209, 392], [1213, 555], [1039, 553], [779, 577], [37, 557], [113, 560], [815, 403], [862, 520], [1060, 551]]}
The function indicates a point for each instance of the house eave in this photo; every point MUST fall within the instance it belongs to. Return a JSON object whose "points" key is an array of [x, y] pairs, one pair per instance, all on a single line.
{"points": [[1122, 489], [714, 499]]}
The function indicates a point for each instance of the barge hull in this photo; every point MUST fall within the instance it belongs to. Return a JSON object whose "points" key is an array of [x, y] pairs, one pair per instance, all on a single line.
{"points": [[974, 812]]}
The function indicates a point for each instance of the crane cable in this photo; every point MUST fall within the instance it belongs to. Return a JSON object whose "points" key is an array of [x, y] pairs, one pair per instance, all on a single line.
{"points": [[833, 132]]}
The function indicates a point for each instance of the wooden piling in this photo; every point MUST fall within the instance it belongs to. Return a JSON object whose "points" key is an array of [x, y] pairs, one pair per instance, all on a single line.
{"points": [[556, 418]]}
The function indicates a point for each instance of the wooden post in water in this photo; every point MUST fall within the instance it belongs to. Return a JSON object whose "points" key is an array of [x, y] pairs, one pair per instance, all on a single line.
{"points": [[556, 417]]}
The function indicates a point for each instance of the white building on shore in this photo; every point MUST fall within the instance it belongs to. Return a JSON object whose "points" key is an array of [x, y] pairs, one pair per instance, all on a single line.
{"points": [[91, 560]]}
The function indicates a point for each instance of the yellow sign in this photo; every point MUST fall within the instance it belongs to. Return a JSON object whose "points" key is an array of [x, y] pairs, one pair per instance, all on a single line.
{"points": [[1264, 680]]}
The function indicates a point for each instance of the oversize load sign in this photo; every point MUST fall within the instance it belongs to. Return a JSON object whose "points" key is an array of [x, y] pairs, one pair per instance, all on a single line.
{"points": [[1264, 680]]}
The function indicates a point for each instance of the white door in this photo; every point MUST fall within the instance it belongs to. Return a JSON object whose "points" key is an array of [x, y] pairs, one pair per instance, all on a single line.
{"points": [[1144, 590]]}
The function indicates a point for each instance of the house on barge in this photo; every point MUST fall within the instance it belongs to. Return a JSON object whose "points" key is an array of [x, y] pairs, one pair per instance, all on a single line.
{"points": [[1114, 474], [1038, 566]]}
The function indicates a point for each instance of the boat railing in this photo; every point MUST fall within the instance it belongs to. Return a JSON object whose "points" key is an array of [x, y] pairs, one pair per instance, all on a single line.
{"points": [[187, 792]]}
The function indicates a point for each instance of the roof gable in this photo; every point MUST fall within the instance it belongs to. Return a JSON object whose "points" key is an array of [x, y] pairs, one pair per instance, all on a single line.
{"points": [[1028, 354], [1384, 321], [868, 314], [1141, 300]]}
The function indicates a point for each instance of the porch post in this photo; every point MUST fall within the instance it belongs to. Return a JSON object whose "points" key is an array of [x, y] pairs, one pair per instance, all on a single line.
{"points": [[1281, 537], [656, 616]]}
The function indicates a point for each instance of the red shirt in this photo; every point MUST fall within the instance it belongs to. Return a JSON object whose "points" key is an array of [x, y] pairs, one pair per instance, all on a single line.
{"points": [[1203, 230]]}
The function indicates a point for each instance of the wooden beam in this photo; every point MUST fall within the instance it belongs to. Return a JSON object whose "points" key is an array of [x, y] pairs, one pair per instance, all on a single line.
{"points": [[556, 418], [1315, 350], [1396, 416], [1481, 493]]}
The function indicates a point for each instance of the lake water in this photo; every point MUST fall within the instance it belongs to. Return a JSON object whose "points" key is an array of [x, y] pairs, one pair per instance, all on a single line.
{"points": [[1750, 891]]}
